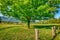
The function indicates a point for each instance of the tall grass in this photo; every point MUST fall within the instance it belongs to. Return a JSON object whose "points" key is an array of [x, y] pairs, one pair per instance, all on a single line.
{"points": [[23, 33]]}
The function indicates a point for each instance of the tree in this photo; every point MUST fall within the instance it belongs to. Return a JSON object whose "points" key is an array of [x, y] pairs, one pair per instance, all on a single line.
{"points": [[0, 19], [28, 9]]}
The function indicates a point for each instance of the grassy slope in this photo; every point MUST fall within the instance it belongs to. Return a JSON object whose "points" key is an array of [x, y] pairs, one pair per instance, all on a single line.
{"points": [[17, 33], [22, 33]]}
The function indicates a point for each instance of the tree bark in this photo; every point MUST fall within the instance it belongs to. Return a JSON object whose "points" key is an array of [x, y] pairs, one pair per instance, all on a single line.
{"points": [[0, 19], [28, 23]]}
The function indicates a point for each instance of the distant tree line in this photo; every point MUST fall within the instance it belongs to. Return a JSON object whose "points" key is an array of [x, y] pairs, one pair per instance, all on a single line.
{"points": [[6, 20], [50, 21]]}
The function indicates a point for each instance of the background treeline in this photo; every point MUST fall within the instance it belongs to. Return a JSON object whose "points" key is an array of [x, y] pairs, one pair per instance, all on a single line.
{"points": [[50, 21]]}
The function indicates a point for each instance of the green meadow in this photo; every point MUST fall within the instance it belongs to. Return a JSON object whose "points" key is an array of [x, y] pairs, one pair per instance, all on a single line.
{"points": [[18, 32]]}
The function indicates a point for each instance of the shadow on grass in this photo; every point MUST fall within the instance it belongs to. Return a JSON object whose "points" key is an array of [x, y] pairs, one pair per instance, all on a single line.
{"points": [[40, 27], [5, 28], [47, 27]]}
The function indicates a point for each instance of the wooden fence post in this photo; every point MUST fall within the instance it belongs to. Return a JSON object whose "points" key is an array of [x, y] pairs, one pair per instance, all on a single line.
{"points": [[53, 32], [58, 29], [36, 34]]}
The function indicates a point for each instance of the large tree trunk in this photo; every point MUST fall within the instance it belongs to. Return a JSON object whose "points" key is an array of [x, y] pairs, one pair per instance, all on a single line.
{"points": [[28, 23], [0, 19]]}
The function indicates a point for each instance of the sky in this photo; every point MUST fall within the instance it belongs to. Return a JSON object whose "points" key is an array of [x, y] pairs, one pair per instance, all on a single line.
{"points": [[57, 15], [1, 14]]}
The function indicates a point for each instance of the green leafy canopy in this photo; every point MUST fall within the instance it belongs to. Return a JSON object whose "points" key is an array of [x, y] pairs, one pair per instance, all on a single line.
{"points": [[29, 9]]}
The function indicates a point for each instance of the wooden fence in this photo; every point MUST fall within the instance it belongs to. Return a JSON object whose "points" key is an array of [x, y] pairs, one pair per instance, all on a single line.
{"points": [[53, 31]]}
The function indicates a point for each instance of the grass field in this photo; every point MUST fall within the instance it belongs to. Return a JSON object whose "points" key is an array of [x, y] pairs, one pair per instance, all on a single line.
{"points": [[17, 32]]}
